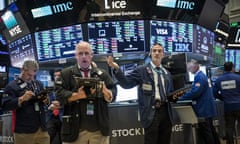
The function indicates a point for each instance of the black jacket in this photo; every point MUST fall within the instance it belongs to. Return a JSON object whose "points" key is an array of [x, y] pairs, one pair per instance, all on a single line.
{"points": [[28, 120], [66, 85]]}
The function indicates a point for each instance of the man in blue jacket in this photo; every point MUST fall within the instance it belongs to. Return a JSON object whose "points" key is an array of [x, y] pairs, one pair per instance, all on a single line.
{"points": [[23, 96], [154, 84], [203, 104], [227, 89]]}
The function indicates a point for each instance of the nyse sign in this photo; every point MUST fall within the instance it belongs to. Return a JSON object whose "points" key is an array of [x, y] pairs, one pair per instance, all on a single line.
{"points": [[15, 31]]}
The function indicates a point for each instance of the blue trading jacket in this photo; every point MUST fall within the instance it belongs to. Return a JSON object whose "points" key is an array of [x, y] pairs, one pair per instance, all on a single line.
{"points": [[202, 96], [227, 89], [143, 77]]}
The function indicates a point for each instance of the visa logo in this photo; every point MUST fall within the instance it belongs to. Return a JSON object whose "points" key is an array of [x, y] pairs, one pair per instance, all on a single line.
{"points": [[50, 10], [9, 19]]}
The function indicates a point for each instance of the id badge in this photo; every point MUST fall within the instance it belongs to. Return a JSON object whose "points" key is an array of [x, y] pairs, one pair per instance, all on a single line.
{"points": [[36, 106], [90, 109]]}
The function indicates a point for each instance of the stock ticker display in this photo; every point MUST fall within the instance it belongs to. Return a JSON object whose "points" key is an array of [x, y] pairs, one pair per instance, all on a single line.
{"points": [[117, 36], [21, 50], [218, 53], [57, 43], [233, 55], [175, 37], [204, 40]]}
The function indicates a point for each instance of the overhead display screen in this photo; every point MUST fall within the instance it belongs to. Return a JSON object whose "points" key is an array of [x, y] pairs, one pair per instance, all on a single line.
{"points": [[117, 37], [233, 55], [57, 43], [47, 14], [218, 53], [21, 50], [175, 37], [204, 40], [177, 10]]}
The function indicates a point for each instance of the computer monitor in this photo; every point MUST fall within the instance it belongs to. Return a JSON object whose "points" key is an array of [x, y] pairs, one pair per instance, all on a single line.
{"points": [[203, 68], [21, 50], [13, 73], [117, 37], [233, 55], [58, 43], [174, 36], [204, 40], [126, 95]]}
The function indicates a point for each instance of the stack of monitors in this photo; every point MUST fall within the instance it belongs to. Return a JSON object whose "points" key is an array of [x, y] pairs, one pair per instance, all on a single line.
{"points": [[204, 40], [21, 50], [57, 43], [233, 55], [175, 37], [117, 36]]}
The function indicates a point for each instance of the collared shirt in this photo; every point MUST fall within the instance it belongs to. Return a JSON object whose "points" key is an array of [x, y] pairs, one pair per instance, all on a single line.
{"points": [[82, 72], [155, 76]]}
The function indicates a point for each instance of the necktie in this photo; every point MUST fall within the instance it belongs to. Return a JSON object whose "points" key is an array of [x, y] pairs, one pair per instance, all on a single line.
{"points": [[85, 71], [160, 85]]}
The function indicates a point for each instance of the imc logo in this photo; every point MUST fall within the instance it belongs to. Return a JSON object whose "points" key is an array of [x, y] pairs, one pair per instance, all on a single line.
{"points": [[9, 19], [50, 10], [181, 4]]}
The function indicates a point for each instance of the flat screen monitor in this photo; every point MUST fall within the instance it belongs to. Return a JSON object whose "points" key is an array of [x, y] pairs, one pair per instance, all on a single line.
{"points": [[204, 40], [44, 76], [191, 76], [21, 50], [13, 73], [48, 14], [126, 95], [117, 36], [128, 68], [209, 18], [57, 43], [234, 35], [177, 10], [175, 64], [218, 53], [233, 55], [12, 24], [174, 36]]}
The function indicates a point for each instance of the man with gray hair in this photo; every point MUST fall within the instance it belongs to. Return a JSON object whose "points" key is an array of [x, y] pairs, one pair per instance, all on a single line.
{"points": [[203, 104], [26, 99]]}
